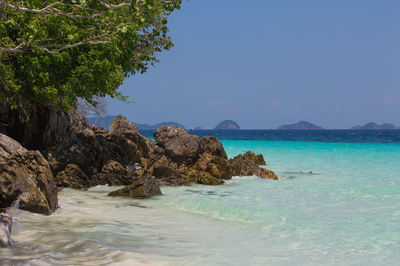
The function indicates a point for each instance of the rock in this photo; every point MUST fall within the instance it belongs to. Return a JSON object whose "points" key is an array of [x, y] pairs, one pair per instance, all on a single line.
{"points": [[180, 146], [203, 178], [121, 126], [73, 177], [217, 167], [248, 165], [5, 230], [26, 175], [140, 189], [266, 174], [90, 148], [8, 147], [115, 174], [256, 159], [213, 146]]}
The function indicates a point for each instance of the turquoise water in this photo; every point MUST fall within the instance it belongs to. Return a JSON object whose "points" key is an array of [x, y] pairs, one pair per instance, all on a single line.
{"points": [[346, 212]]}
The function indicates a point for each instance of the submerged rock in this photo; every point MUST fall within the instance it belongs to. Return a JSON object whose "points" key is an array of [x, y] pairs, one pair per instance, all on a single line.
{"points": [[25, 176], [141, 189]]}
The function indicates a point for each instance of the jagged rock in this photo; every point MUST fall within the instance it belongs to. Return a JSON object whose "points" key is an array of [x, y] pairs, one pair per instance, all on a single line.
{"points": [[25, 175], [90, 150], [142, 189], [121, 126], [213, 146], [73, 177], [216, 166], [202, 177], [248, 164], [266, 174], [115, 174], [180, 146], [257, 159]]}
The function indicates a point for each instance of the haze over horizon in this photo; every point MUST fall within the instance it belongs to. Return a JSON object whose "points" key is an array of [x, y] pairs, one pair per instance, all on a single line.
{"points": [[270, 63]]}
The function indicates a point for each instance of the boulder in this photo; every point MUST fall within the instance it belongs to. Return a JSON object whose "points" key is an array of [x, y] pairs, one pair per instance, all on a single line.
{"points": [[248, 165], [121, 126], [201, 177], [140, 189], [213, 146], [25, 176], [216, 166], [73, 177], [115, 174], [266, 174], [257, 159], [180, 146]]}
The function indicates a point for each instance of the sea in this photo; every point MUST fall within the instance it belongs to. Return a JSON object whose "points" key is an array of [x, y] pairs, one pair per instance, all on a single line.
{"points": [[337, 203]]}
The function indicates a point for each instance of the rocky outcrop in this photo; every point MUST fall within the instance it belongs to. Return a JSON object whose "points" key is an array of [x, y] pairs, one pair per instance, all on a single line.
{"points": [[121, 126], [140, 189], [191, 159], [73, 177], [248, 165], [25, 176], [87, 156], [178, 145]]}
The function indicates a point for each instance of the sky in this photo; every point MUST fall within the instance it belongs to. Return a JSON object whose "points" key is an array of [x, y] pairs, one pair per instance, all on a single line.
{"points": [[264, 63]]}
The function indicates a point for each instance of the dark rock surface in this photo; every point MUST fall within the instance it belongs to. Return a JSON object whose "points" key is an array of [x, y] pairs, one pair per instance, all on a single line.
{"points": [[25, 176], [180, 146], [248, 165], [121, 126], [140, 189], [73, 177]]}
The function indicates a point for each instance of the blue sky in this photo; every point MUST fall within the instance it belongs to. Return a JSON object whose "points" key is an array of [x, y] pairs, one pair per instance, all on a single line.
{"points": [[265, 63]]}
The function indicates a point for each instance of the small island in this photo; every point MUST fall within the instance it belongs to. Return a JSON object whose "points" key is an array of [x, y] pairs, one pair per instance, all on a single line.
{"points": [[302, 125], [375, 126], [227, 125]]}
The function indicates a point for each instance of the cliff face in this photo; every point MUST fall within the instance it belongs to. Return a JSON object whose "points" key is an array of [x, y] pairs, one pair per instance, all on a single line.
{"points": [[302, 125], [227, 125]]}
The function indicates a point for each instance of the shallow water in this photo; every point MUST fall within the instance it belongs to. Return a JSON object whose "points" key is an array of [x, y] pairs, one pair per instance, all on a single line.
{"points": [[346, 213]]}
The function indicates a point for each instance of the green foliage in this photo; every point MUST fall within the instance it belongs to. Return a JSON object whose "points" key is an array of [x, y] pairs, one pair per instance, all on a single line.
{"points": [[78, 48]]}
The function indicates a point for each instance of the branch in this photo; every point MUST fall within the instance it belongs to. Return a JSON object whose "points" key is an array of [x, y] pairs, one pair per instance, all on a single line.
{"points": [[112, 6], [50, 9]]}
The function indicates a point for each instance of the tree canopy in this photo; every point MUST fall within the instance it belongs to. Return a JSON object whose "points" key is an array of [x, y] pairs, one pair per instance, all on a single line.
{"points": [[58, 51]]}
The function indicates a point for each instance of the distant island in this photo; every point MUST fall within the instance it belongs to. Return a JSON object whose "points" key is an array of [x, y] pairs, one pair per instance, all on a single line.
{"points": [[373, 125], [227, 125], [302, 125], [106, 121]]}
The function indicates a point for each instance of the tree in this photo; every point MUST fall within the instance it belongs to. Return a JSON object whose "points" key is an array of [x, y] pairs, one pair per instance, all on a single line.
{"points": [[54, 52]]}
